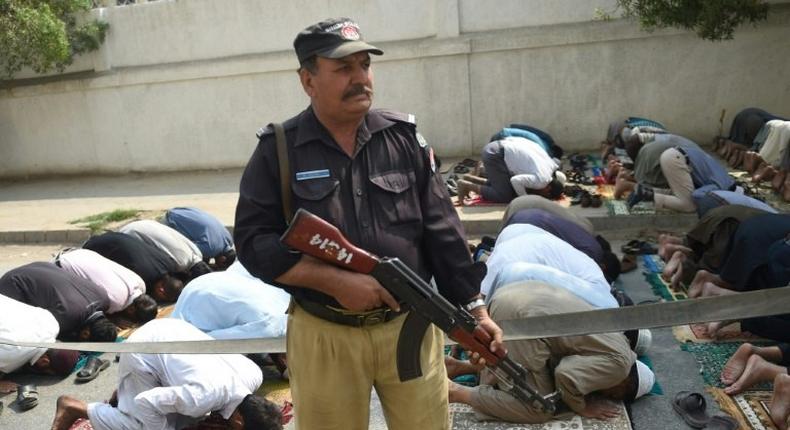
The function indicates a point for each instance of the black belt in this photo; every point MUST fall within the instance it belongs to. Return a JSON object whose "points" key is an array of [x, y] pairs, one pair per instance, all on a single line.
{"points": [[349, 318], [683, 151]]}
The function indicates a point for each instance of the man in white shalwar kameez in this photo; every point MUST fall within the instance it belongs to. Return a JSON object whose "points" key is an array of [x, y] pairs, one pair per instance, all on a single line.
{"points": [[173, 391], [24, 323]]}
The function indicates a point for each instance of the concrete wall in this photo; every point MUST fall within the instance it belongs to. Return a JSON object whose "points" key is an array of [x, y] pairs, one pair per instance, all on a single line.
{"points": [[185, 84]]}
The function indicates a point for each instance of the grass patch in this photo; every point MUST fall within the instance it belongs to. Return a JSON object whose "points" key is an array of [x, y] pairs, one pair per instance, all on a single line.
{"points": [[97, 222]]}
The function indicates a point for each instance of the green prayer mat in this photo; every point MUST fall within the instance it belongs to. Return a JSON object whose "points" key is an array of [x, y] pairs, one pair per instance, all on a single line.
{"points": [[620, 207], [712, 357]]}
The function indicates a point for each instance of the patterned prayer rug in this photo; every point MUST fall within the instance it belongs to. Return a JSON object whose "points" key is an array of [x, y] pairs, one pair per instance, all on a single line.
{"points": [[620, 207], [463, 417], [81, 424], [750, 408]]}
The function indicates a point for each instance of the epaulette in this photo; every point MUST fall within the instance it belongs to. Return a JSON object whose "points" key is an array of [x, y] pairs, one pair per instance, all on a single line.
{"points": [[398, 116], [268, 129]]}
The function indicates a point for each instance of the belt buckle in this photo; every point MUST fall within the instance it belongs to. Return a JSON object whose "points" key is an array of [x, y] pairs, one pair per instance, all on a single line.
{"points": [[376, 317]]}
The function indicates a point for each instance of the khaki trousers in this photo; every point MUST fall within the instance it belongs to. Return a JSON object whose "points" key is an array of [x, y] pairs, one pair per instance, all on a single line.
{"points": [[333, 368], [678, 174]]}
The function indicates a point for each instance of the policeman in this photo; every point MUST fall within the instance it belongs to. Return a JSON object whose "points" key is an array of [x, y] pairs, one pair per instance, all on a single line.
{"points": [[368, 173]]}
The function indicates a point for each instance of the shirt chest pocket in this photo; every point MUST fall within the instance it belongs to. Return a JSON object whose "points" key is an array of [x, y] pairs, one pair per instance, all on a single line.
{"points": [[395, 195], [315, 195]]}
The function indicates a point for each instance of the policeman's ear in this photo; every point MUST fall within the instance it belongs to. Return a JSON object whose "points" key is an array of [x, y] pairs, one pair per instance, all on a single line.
{"points": [[306, 78]]}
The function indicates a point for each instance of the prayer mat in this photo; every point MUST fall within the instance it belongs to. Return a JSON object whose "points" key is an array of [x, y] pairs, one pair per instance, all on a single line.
{"points": [[689, 332], [749, 408], [81, 424], [713, 356], [620, 207], [462, 417], [479, 201]]}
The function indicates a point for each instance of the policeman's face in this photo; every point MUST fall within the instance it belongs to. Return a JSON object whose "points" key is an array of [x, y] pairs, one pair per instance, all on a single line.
{"points": [[341, 89]]}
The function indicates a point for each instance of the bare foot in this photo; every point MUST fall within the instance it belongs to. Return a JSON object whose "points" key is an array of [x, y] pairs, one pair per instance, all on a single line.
{"points": [[622, 186], [457, 393], [780, 402], [673, 265], [714, 327], [8, 387], [702, 276], [68, 411], [710, 289], [735, 365], [778, 180], [665, 238], [757, 370]]}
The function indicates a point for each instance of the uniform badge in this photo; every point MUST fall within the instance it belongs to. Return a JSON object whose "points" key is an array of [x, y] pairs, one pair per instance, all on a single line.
{"points": [[312, 174]]}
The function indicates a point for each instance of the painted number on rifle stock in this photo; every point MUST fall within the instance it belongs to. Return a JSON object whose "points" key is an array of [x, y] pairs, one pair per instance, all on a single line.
{"points": [[332, 247]]}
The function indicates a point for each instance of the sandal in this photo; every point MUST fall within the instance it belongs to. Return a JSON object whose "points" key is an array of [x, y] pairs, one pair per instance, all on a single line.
{"points": [[27, 397], [691, 407], [596, 201], [468, 162], [92, 369]]}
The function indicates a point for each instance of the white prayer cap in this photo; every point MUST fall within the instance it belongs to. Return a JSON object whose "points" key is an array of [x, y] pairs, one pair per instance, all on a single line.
{"points": [[561, 177], [643, 342], [646, 379]]}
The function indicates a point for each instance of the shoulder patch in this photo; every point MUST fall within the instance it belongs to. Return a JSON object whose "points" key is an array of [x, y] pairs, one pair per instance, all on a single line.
{"points": [[398, 116]]}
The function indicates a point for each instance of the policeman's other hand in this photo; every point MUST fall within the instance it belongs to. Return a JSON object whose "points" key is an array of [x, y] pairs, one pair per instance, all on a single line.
{"points": [[361, 292]]}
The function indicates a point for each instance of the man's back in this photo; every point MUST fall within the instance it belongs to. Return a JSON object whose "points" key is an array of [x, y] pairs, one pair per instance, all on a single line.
{"points": [[24, 323], [71, 299], [141, 258], [121, 284], [174, 244], [232, 305], [206, 231]]}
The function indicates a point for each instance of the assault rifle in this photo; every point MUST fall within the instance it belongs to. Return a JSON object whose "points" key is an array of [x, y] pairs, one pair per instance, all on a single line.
{"points": [[313, 236]]}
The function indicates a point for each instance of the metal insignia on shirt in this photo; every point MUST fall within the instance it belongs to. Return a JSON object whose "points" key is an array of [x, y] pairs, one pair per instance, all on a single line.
{"points": [[421, 140], [312, 174]]}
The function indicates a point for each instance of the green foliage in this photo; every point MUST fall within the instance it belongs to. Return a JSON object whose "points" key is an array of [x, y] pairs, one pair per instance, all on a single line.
{"points": [[98, 221], [710, 19], [45, 34]]}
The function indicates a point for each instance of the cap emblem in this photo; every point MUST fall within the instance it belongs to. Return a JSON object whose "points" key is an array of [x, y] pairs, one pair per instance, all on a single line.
{"points": [[349, 32]]}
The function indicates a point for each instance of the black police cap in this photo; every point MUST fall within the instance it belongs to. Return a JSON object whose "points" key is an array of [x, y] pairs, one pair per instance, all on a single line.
{"points": [[331, 38]]}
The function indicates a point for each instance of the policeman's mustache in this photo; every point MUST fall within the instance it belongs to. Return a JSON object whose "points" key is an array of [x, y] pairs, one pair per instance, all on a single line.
{"points": [[357, 90]]}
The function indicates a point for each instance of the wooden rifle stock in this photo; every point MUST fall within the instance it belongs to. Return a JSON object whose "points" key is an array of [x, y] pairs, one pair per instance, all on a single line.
{"points": [[314, 236]]}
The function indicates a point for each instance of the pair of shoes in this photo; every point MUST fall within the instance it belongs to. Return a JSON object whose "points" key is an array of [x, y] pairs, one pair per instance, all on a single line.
{"points": [[639, 247], [588, 199], [92, 368], [27, 397], [642, 193], [578, 161], [691, 407]]}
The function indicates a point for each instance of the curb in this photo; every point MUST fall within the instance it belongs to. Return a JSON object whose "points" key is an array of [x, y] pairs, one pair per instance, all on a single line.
{"points": [[72, 236]]}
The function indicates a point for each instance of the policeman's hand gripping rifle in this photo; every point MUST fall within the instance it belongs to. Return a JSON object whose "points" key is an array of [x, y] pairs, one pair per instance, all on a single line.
{"points": [[316, 237]]}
